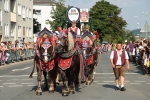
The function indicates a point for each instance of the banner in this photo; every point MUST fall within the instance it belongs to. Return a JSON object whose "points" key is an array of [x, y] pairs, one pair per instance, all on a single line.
{"points": [[84, 15], [73, 13]]}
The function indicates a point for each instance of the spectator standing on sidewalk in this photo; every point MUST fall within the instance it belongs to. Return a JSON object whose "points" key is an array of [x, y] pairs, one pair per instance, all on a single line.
{"points": [[118, 59], [131, 47]]}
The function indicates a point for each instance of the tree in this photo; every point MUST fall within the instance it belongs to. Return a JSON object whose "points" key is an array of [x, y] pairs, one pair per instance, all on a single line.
{"points": [[130, 36], [104, 17], [58, 15]]}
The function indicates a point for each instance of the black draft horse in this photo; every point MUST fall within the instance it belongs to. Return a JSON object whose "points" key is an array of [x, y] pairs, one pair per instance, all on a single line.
{"points": [[70, 77]]}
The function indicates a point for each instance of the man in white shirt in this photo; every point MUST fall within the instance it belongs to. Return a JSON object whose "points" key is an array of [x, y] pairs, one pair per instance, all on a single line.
{"points": [[118, 59]]}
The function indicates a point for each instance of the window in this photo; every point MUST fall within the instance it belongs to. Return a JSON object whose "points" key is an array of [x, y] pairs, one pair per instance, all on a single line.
{"points": [[27, 32], [0, 17], [27, 12], [30, 13], [19, 31], [6, 5], [12, 30], [23, 11], [6, 30], [30, 32], [38, 12], [19, 9]]}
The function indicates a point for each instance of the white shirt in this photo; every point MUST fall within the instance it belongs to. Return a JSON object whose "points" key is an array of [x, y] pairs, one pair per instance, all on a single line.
{"points": [[119, 57], [78, 31]]}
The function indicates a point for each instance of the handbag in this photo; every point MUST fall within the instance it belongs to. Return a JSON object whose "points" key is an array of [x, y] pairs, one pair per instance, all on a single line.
{"points": [[148, 64]]}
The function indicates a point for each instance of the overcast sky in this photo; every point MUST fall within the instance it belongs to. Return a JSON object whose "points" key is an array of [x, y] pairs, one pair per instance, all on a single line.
{"points": [[131, 10]]}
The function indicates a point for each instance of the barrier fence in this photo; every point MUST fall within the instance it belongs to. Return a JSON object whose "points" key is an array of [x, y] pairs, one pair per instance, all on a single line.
{"points": [[11, 56]]}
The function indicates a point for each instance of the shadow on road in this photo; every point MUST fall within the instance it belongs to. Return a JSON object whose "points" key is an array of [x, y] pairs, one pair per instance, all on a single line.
{"points": [[109, 86]]}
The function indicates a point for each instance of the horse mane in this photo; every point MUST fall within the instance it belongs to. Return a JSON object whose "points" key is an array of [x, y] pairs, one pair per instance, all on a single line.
{"points": [[70, 41], [88, 39]]}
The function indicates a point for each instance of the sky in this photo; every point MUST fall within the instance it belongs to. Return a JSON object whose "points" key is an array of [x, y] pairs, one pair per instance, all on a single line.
{"points": [[135, 12]]}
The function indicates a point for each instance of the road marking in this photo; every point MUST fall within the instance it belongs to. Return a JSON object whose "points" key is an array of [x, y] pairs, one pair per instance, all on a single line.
{"points": [[147, 83], [26, 83], [27, 79], [108, 81], [127, 81], [1, 86], [16, 75], [139, 81], [31, 85], [95, 81], [135, 83], [0, 80], [111, 77], [12, 79], [102, 83], [35, 73], [15, 86], [113, 73], [8, 83], [21, 69], [100, 77]]}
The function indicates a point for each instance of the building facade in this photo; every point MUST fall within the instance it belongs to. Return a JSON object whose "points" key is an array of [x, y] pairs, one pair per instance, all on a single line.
{"points": [[16, 20]]}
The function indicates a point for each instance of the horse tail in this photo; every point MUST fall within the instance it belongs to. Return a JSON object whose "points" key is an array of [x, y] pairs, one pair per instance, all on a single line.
{"points": [[33, 67]]}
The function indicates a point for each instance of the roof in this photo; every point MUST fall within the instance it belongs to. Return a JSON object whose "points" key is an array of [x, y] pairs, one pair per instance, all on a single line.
{"points": [[43, 2]]}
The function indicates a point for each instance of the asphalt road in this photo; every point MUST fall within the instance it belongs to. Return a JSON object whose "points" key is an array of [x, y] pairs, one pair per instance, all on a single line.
{"points": [[15, 84]]}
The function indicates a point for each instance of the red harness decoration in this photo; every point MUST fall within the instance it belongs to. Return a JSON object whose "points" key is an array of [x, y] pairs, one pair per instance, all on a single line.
{"points": [[47, 66], [64, 63], [89, 60]]}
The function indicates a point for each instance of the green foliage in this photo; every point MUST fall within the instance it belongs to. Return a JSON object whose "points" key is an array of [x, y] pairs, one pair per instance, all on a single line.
{"points": [[104, 17], [130, 36], [58, 15]]}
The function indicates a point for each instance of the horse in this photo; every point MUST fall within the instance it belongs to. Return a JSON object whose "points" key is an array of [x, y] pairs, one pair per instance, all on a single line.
{"points": [[68, 63], [44, 61], [90, 57]]}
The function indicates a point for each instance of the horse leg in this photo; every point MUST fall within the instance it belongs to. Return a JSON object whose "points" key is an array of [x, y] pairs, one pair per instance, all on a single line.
{"points": [[45, 81], [90, 76], [52, 77], [77, 80], [65, 90], [58, 78], [39, 78]]}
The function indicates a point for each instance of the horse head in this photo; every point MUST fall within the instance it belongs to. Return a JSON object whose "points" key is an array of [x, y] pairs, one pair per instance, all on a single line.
{"points": [[64, 43], [45, 48]]}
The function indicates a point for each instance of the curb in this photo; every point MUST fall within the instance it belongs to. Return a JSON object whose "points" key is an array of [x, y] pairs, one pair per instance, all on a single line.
{"points": [[15, 63]]}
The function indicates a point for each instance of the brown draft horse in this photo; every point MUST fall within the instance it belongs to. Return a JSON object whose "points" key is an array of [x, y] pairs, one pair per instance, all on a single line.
{"points": [[44, 55], [65, 49], [90, 56]]}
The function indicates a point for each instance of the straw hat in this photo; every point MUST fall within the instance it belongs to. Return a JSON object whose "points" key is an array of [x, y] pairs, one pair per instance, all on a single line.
{"points": [[87, 26], [73, 22]]}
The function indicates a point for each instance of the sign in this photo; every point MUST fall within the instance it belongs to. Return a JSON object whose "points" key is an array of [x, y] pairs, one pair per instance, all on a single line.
{"points": [[84, 15], [73, 13]]}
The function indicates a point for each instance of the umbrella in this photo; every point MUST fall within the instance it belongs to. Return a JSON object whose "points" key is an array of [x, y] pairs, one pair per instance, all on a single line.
{"points": [[104, 42]]}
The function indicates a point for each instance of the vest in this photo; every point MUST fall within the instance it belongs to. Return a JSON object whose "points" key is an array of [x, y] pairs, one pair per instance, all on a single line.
{"points": [[116, 58], [75, 31]]}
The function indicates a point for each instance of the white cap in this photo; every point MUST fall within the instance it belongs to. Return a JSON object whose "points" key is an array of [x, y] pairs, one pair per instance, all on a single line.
{"points": [[2, 44]]}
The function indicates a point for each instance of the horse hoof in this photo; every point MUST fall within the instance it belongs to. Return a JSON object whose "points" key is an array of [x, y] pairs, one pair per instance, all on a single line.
{"points": [[57, 83], [72, 92], [65, 94], [51, 91], [38, 93]]}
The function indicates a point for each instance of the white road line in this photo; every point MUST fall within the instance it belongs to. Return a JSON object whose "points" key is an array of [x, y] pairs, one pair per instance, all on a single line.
{"points": [[8, 83], [0, 80], [31, 85], [1, 86], [15, 86], [113, 73], [100, 77], [135, 83], [108, 81], [35, 73], [27, 79], [139, 81], [16, 75], [12, 79], [21, 69], [102, 83], [95, 81], [147, 83], [127, 81], [26, 83], [111, 77]]}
